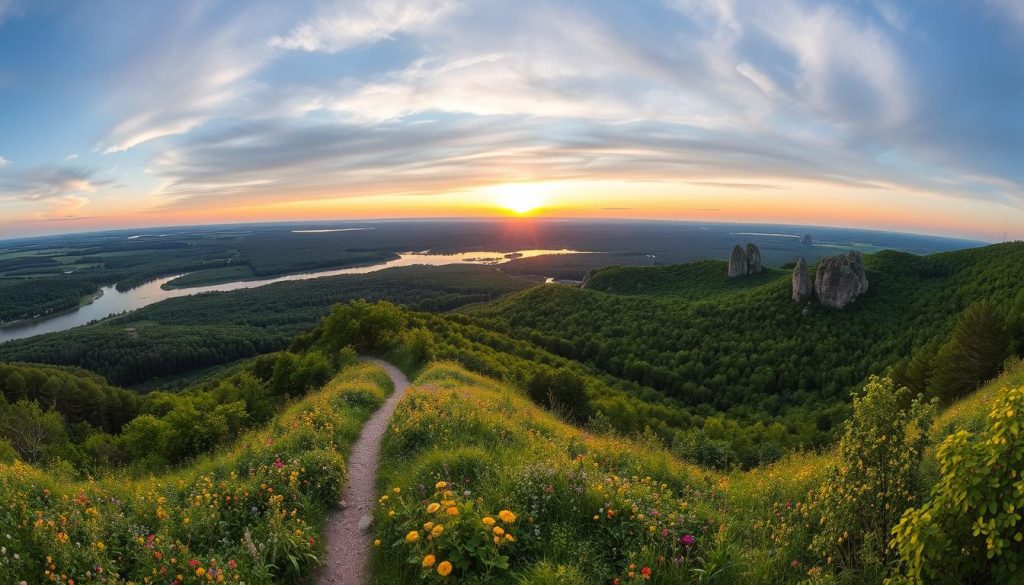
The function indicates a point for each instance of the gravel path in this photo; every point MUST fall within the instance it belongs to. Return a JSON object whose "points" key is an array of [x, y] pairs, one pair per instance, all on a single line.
{"points": [[348, 542]]}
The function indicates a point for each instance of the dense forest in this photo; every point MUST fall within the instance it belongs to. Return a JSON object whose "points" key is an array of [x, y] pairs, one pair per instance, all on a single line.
{"points": [[183, 334], [746, 348]]}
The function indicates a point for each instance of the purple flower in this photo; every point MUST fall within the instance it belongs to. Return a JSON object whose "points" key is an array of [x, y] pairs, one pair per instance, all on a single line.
{"points": [[686, 540]]}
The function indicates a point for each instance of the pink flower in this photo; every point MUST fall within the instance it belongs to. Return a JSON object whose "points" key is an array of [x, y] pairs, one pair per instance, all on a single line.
{"points": [[278, 463], [232, 564], [686, 540]]}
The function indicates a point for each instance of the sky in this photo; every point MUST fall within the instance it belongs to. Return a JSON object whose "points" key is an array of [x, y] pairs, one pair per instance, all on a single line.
{"points": [[905, 116]]}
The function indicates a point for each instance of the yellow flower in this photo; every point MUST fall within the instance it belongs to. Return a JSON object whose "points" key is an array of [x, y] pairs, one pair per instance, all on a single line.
{"points": [[427, 526], [453, 511], [437, 530], [434, 507], [185, 520], [200, 572], [510, 538], [507, 516], [413, 536], [488, 521], [444, 569], [376, 542], [440, 485], [497, 540], [428, 561], [498, 531], [396, 490]]}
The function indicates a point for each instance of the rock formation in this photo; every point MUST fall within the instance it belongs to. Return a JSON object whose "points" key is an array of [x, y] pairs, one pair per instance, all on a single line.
{"points": [[801, 281], [753, 259], [805, 240], [737, 262], [742, 263], [840, 280]]}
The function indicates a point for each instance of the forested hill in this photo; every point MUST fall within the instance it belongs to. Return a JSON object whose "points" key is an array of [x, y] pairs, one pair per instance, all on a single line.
{"points": [[750, 349], [187, 333]]}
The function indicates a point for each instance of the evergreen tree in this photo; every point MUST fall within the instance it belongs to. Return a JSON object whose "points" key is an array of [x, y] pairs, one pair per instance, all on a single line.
{"points": [[973, 354]]}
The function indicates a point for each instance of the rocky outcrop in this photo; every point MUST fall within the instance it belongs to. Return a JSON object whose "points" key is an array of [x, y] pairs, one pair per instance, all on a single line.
{"points": [[840, 279], [737, 262], [802, 288], [753, 259], [805, 240], [743, 262]]}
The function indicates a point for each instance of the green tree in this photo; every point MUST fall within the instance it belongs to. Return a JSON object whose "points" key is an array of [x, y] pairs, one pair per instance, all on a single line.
{"points": [[30, 429], [973, 354]]}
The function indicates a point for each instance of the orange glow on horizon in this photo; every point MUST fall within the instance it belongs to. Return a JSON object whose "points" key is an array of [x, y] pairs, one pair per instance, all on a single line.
{"points": [[786, 202]]}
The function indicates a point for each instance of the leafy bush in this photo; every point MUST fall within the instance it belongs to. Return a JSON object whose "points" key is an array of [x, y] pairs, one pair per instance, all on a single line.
{"points": [[874, 480], [971, 526]]}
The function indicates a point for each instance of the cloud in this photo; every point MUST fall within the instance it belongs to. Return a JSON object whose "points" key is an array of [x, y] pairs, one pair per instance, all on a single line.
{"points": [[4, 162], [201, 72], [48, 182], [368, 21], [71, 156]]}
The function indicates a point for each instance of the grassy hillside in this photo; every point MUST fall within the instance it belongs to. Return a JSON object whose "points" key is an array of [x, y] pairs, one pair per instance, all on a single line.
{"points": [[480, 485], [587, 508], [251, 513]]}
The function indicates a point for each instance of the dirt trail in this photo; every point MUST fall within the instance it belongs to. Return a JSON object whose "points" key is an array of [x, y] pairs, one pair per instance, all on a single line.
{"points": [[348, 541]]}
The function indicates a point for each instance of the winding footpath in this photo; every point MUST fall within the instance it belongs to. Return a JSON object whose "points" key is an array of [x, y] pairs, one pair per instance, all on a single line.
{"points": [[347, 538]]}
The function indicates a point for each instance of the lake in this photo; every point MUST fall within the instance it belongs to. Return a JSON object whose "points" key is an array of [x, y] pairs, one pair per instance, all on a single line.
{"points": [[110, 301]]}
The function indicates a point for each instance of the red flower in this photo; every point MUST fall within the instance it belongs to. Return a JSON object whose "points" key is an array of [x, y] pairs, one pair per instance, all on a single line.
{"points": [[646, 572]]}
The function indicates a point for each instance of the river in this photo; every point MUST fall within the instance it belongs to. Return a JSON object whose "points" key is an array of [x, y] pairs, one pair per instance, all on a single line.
{"points": [[111, 301]]}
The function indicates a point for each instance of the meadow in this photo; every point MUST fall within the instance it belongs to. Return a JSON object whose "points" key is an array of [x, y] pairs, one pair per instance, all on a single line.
{"points": [[250, 512]]}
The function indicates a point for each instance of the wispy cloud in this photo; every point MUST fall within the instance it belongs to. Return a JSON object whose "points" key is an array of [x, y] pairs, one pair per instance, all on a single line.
{"points": [[4, 162], [350, 24], [46, 182]]}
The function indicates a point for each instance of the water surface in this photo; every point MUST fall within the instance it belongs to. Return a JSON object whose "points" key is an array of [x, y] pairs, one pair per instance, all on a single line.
{"points": [[111, 301]]}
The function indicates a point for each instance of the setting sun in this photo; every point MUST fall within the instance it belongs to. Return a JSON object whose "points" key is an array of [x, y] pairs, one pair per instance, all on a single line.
{"points": [[519, 198]]}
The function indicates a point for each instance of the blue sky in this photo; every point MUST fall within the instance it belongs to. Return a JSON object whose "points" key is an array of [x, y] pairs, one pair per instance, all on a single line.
{"points": [[871, 113]]}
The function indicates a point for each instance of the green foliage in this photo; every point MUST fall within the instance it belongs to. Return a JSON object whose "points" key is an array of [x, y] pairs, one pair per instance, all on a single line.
{"points": [[970, 528], [184, 334], [30, 430], [561, 390], [369, 327], [78, 395], [252, 514], [588, 508], [697, 345], [972, 355], [874, 480]]}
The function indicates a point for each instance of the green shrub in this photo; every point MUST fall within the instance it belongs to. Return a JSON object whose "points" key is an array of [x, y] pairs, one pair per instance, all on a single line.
{"points": [[874, 480], [971, 527]]}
